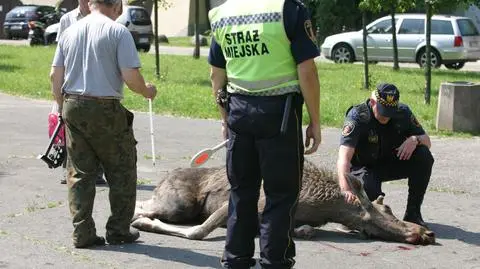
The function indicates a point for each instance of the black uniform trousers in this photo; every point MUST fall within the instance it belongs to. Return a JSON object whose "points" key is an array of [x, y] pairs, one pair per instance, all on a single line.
{"points": [[417, 169], [258, 151]]}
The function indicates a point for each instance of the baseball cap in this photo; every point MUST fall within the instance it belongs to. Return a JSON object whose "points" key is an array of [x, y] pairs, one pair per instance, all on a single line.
{"points": [[387, 99]]}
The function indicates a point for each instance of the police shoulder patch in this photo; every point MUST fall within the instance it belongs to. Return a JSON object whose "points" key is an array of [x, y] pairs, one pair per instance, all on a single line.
{"points": [[348, 127], [309, 30]]}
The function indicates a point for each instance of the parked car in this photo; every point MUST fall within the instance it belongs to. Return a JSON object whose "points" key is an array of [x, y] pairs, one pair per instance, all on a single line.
{"points": [[455, 40], [138, 22], [135, 18], [50, 34], [38, 27], [16, 20]]}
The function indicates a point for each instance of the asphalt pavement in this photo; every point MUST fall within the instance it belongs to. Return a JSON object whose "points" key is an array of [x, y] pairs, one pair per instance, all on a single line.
{"points": [[35, 226]]}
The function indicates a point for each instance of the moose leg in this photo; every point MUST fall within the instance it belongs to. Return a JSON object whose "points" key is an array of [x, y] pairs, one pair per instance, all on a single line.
{"points": [[197, 232], [304, 232]]}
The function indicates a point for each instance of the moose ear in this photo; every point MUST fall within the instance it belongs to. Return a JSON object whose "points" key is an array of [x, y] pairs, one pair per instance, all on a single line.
{"points": [[379, 200], [355, 183], [357, 188]]}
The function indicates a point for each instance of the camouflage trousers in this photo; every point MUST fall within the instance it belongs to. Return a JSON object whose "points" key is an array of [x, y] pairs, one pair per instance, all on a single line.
{"points": [[99, 132]]}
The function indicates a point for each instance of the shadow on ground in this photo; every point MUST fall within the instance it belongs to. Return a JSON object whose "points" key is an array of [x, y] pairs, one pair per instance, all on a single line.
{"points": [[184, 256], [8, 67], [444, 231], [146, 187]]}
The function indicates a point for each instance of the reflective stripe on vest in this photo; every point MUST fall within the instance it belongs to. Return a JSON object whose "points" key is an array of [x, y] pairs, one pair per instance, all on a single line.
{"points": [[261, 84], [247, 19], [272, 92]]}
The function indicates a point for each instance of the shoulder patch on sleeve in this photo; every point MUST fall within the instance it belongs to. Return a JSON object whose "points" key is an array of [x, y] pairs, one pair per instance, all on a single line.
{"points": [[309, 30], [348, 127]]}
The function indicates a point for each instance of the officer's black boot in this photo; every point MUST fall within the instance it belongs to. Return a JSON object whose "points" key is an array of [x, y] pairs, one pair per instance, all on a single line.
{"points": [[413, 214]]}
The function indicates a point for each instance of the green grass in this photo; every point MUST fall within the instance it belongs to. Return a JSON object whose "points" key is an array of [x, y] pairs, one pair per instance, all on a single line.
{"points": [[182, 41], [144, 181], [184, 85]]}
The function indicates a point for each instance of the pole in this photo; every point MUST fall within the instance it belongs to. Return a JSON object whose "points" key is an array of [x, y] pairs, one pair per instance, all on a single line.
{"points": [[157, 54], [196, 51], [428, 69]]}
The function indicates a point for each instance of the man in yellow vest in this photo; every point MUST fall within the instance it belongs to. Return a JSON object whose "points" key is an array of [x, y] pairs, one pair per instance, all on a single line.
{"points": [[263, 53]]}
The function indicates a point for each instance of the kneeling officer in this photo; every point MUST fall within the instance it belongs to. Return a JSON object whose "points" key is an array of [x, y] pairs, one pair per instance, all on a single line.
{"points": [[382, 140]]}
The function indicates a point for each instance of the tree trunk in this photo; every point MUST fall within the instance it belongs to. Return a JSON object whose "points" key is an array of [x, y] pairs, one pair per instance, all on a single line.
{"points": [[428, 69], [366, 81], [394, 39], [157, 53], [196, 51]]}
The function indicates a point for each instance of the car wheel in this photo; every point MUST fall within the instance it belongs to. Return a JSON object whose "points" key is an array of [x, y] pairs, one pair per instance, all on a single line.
{"points": [[146, 49], [435, 60], [52, 39], [342, 53], [455, 66]]}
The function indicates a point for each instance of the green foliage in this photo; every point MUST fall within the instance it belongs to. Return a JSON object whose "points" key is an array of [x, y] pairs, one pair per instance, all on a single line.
{"points": [[377, 6], [165, 4], [334, 16]]}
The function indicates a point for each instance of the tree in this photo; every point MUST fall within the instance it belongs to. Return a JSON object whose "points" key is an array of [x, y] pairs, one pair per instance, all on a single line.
{"points": [[149, 4], [365, 6], [431, 7], [390, 6]]}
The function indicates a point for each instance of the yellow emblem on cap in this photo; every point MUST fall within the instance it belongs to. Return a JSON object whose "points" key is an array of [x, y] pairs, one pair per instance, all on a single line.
{"points": [[390, 99]]}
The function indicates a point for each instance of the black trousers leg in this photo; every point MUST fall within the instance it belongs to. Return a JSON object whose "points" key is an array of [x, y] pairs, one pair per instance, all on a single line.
{"points": [[281, 159], [417, 169], [245, 179], [257, 150]]}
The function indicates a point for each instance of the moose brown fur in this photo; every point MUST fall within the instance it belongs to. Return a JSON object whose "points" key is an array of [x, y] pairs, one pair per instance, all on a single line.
{"points": [[200, 195]]}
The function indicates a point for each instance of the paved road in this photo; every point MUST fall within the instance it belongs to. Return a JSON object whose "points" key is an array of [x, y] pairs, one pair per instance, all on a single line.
{"points": [[35, 225], [470, 66]]}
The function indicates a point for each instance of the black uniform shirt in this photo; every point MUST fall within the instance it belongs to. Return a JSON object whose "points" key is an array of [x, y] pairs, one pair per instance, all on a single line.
{"points": [[298, 28], [375, 142]]}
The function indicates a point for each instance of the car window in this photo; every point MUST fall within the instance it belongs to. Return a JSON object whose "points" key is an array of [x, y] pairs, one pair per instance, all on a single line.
{"points": [[441, 27], [467, 28], [139, 16], [21, 12], [381, 27], [412, 26]]}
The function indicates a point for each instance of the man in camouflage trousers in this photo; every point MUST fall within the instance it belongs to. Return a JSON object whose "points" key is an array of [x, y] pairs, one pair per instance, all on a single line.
{"points": [[93, 58]]}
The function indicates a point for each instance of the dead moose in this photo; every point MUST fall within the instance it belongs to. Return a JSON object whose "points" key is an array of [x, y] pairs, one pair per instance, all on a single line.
{"points": [[200, 195]]}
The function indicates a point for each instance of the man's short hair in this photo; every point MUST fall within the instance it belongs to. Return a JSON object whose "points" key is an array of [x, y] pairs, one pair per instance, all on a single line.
{"points": [[106, 2]]}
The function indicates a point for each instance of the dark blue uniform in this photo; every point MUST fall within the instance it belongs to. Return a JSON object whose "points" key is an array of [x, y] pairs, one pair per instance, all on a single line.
{"points": [[375, 159], [257, 151]]}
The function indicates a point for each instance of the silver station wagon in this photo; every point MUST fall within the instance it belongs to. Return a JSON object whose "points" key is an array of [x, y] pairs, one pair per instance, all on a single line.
{"points": [[455, 40]]}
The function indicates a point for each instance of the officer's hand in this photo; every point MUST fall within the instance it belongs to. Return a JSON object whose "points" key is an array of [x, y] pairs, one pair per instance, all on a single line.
{"points": [[347, 191], [349, 196], [313, 132], [151, 91], [405, 151]]}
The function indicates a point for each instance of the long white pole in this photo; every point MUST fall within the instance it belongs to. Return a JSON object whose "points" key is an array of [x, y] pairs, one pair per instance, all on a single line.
{"points": [[151, 131]]}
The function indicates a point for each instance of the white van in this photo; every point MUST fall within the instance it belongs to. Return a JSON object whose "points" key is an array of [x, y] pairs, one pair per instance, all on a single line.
{"points": [[138, 22]]}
